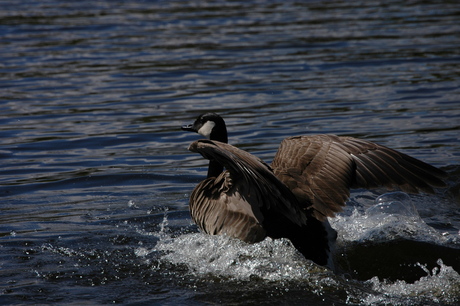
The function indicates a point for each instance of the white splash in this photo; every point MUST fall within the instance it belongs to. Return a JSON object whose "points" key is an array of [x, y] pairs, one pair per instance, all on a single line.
{"points": [[393, 216], [441, 285], [227, 257]]}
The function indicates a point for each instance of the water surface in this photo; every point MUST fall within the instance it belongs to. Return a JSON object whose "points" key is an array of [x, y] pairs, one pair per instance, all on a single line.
{"points": [[95, 174]]}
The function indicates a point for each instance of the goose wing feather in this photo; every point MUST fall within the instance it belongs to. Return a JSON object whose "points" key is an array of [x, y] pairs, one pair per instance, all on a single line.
{"points": [[217, 209], [246, 190], [321, 169]]}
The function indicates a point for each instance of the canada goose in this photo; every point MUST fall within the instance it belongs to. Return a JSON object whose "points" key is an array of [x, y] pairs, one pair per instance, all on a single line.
{"points": [[309, 179]]}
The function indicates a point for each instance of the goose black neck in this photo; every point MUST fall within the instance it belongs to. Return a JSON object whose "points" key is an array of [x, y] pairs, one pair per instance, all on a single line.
{"points": [[219, 133], [214, 169]]}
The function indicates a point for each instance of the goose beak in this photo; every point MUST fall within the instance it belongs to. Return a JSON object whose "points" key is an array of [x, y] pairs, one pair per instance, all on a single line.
{"points": [[188, 128]]}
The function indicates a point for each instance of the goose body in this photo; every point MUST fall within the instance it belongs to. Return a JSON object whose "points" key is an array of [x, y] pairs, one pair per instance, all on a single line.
{"points": [[309, 180]]}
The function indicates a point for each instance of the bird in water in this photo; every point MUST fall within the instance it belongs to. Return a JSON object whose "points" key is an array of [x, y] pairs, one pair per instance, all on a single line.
{"points": [[308, 180]]}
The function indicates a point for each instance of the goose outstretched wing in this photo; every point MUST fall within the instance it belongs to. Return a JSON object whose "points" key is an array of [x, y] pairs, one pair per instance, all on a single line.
{"points": [[240, 196], [321, 169]]}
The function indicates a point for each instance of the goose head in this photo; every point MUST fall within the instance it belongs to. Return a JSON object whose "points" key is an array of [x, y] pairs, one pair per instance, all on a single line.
{"points": [[209, 125]]}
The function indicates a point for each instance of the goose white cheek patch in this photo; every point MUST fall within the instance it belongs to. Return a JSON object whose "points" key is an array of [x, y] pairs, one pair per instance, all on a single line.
{"points": [[206, 129]]}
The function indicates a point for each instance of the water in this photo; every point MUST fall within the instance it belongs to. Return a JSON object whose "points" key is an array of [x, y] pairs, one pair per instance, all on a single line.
{"points": [[95, 175]]}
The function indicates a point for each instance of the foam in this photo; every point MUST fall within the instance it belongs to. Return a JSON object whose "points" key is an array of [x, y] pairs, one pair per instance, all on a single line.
{"points": [[231, 258], [392, 216]]}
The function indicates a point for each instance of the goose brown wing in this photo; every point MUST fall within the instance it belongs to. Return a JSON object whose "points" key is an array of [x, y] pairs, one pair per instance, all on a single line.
{"points": [[250, 186], [321, 169], [217, 209]]}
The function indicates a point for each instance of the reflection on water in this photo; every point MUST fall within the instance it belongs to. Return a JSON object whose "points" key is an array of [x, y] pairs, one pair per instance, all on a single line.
{"points": [[91, 155]]}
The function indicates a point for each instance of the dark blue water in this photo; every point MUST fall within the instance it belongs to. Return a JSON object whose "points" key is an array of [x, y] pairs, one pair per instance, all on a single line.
{"points": [[95, 174]]}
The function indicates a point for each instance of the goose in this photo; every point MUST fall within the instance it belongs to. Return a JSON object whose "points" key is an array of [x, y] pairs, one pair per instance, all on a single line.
{"points": [[308, 181]]}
